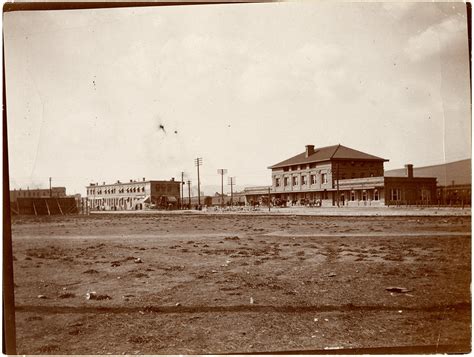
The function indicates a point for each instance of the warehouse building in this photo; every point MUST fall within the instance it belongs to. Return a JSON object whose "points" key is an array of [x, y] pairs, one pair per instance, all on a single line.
{"points": [[134, 195]]}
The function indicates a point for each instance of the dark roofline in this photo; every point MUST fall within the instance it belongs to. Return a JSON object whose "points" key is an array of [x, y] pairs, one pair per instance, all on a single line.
{"points": [[328, 159], [430, 166], [131, 183]]}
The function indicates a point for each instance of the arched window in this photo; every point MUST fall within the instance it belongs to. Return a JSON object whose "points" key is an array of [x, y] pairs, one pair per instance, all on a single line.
{"points": [[376, 195]]}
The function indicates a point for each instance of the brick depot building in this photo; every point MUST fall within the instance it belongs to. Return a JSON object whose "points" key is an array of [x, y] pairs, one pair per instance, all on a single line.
{"points": [[340, 175], [134, 195]]}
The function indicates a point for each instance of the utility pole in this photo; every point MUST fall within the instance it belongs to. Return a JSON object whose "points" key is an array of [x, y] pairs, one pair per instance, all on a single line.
{"points": [[337, 182], [198, 162], [231, 182], [269, 199], [222, 172], [50, 190], [189, 194], [182, 189]]}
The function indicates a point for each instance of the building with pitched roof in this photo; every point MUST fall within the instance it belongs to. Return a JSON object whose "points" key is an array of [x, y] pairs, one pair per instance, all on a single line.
{"points": [[338, 175]]}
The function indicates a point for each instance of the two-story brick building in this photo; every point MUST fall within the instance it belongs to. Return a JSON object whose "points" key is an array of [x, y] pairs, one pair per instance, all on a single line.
{"points": [[338, 175], [133, 195], [313, 175]]}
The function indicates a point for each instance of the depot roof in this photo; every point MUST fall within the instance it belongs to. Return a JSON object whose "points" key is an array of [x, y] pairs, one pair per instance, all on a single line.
{"points": [[327, 153]]}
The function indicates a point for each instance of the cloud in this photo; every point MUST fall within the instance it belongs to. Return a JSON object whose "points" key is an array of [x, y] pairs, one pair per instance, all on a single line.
{"points": [[448, 36], [323, 71], [398, 10]]}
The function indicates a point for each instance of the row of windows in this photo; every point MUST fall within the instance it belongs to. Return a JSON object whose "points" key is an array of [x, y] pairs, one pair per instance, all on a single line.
{"points": [[396, 194], [313, 165], [304, 180], [110, 191], [364, 195]]}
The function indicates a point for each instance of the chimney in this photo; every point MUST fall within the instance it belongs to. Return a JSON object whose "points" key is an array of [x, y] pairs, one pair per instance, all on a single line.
{"points": [[143, 179], [103, 183], [409, 170], [131, 180], [172, 179], [309, 150]]}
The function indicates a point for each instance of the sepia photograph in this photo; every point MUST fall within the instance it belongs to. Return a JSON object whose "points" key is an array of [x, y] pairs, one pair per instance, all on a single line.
{"points": [[237, 178]]}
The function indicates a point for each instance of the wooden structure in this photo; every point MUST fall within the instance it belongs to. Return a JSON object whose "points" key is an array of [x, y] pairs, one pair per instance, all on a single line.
{"points": [[44, 206]]}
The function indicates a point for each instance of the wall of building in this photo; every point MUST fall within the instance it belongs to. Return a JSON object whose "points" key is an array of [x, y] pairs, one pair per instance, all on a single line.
{"points": [[118, 196], [406, 190], [357, 169], [37, 193], [368, 191], [133, 195], [322, 173], [317, 182], [165, 188]]}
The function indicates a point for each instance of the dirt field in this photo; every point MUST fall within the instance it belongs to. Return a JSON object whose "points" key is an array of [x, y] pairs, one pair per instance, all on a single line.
{"points": [[239, 283]]}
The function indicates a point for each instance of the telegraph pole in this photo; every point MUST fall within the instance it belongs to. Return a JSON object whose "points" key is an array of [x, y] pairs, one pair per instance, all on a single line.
{"points": [[231, 183], [269, 199], [337, 182], [182, 189], [222, 172], [198, 162], [50, 189], [189, 194]]}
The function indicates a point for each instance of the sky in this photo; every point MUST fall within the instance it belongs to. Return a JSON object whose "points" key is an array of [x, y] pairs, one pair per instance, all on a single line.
{"points": [[117, 94]]}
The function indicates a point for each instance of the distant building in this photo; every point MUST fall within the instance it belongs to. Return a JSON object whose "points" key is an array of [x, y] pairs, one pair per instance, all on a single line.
{"points": [[340, 175], [257, 195], [134, 195], [37, 193]]}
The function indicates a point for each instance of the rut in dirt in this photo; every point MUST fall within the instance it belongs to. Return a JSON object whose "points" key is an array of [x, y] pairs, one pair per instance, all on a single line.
{"points": [[236, 308]]}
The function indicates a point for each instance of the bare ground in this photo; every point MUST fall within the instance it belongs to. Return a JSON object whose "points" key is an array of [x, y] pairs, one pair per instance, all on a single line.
{"points": [[239, 283]]}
